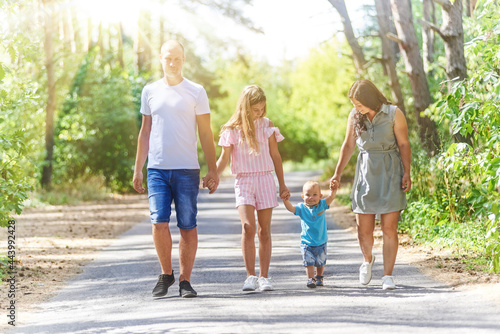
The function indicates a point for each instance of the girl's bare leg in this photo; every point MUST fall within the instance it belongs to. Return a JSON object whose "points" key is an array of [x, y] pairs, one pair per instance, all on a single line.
{"points": [[265, 244], [247, 216]]}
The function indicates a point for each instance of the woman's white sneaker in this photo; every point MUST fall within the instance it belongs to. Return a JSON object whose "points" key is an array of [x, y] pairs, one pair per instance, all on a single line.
{"points": [[265, 284], [388, 283], [365, 271], [250, 283]]}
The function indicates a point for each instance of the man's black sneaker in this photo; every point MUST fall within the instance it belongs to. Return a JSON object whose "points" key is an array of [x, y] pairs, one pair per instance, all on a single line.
{"points": [[164, 282], [186, 291]]}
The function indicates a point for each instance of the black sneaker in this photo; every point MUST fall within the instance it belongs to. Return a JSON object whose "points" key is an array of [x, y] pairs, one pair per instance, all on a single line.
{"points": [[164, 282], [186, 291]]}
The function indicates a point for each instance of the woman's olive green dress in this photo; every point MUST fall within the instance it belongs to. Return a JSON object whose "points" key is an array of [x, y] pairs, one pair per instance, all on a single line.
{"points": [[379, 169]]}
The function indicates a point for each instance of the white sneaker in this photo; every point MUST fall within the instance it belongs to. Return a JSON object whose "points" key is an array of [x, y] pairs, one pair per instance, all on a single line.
{"points": [[265, 284], [388, 283], [365, 272], [250, 283]]}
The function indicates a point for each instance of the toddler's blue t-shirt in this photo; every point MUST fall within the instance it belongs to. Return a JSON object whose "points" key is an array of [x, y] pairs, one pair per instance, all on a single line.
{"points": [[313, 222]]}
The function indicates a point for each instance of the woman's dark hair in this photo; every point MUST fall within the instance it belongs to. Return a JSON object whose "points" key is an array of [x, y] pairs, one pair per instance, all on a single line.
{"points": [[368, 95]]}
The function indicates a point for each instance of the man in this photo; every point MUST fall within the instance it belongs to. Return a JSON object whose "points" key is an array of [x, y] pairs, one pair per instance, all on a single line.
{"points": [[172, 108]]}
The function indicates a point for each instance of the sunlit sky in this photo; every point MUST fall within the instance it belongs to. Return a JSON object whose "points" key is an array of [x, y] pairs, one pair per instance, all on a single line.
{"points": [[291, 27]]}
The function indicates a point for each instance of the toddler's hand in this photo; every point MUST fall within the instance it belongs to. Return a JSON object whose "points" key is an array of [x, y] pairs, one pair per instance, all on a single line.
{"points": [[334, 185], [285, 194]]}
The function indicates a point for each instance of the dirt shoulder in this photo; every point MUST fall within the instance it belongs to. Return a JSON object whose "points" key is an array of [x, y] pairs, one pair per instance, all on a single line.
{"points": [[438, 263], [53, 243]]}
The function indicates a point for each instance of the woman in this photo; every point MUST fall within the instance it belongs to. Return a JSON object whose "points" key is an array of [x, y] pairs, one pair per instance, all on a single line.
{"points": [[382, 175]]}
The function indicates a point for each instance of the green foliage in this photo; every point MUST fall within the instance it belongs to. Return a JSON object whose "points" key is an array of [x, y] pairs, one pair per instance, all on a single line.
{"points": [[301, 139], [455, 198], [4, 267], [97, 129], [14, 184], [319, 99], [18, 116]]}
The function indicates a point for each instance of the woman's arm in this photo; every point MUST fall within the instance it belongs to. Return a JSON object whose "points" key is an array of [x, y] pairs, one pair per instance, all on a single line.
{"points": [[346, 151], [401, 133]]}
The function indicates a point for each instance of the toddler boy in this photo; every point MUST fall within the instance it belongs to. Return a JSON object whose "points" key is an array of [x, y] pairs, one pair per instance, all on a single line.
{"points": [[314, 235]]}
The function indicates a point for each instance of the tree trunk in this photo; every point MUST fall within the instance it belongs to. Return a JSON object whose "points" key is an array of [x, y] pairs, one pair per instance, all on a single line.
{"points": [[162, 30], [68, 32], [143, 43], [452, 33], [100, 40], [77, 30], [467, 8], [90, 42], [357, 51], [384, 17], [120, 45], [428, 34], [403, 20], [51, 101], [472, 6]]}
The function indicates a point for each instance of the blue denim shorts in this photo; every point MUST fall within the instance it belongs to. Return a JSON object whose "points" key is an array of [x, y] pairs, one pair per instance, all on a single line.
{"points": [[313, 255], [178, 185]]}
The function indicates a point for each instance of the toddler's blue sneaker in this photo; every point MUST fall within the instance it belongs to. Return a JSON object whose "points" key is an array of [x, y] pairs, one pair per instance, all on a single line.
{"points": [[311, 283]]}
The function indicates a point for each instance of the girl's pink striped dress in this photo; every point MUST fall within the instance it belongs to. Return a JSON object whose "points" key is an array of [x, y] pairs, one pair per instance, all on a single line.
{"points": [[254, 183]]}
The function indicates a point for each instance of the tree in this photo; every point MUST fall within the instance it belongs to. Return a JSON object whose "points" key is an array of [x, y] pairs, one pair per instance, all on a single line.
{"points": [[408, 44], [428, 34], [388, 57], [143, 43], [357, 51], [51, 85], [452, 33]]}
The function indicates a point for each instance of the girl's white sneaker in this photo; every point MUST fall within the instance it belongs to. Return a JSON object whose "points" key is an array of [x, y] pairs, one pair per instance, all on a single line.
{"points": [[250, 283]]}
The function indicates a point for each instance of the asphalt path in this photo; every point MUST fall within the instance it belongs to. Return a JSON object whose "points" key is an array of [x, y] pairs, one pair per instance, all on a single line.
{"points": [[113, 294]]}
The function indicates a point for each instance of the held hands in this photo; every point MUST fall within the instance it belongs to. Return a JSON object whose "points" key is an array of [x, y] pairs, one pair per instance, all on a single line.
{"points": [[284, 193], [211, 181], [335, 182]]}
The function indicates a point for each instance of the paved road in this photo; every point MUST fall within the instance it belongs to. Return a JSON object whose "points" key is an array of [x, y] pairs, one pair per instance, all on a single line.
{"points": [[113, 294]]}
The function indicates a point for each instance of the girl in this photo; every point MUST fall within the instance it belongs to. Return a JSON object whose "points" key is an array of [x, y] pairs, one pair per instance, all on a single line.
{"points": [[250, 140], [382, 175]]}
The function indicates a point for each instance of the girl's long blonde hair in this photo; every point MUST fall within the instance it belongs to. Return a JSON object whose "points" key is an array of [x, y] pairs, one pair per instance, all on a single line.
{"points": [[242, 118]]}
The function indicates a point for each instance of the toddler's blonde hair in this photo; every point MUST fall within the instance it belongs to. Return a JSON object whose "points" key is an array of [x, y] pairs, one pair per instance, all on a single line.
{"points": [[310, 185]]}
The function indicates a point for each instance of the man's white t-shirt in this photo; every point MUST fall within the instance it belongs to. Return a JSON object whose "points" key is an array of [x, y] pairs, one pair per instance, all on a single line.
{"points": [[173, 140]]}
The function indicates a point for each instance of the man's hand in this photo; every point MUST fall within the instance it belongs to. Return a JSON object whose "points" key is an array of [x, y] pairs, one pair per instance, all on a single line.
{"points": [[138, 178]]}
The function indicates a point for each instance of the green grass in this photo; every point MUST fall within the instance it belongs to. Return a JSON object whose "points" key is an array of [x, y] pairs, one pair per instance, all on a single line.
{"points": [[77, 191], [4, 267]]}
